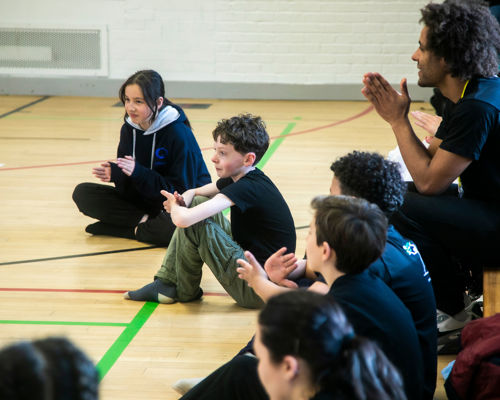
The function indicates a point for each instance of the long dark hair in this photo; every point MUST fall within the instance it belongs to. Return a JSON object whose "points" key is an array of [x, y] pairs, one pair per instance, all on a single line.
{"points": [[314, 328], [152, 86]]}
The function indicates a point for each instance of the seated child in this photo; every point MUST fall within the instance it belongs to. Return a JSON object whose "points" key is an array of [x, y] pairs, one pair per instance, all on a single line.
{"points": [[260, 220], [306, 348], [346, 235], [157, 150], [373, 178]]}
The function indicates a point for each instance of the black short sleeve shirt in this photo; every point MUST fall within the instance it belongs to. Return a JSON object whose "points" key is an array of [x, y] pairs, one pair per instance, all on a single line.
{"points": [[471, 128], [261, 221]]}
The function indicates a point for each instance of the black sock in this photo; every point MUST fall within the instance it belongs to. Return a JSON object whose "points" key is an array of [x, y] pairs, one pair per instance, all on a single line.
{"points": [[156, 291], [101, 228]]}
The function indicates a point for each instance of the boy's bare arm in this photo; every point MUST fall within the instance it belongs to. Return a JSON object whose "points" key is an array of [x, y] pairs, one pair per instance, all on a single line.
{"points": [[184, 217], [208, 190], [252, 272]]}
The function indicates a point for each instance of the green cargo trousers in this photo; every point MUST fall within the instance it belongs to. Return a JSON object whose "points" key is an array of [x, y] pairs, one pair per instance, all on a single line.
{"points": [[210, 242]]}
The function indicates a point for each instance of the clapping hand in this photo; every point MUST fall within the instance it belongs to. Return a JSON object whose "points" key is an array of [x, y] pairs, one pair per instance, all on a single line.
{"points": [[250, 270], [126, 164], [103, 172], [279, 265]]}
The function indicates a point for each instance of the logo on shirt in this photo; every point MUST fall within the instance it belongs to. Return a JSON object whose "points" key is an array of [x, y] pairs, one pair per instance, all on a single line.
{"points": [[160, 156], [161, 153], [411, 249]]}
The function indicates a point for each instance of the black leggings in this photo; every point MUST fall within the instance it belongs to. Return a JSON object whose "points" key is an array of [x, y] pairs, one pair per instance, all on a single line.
{"points": [[119, 216], [235, 380], [450, 232]]}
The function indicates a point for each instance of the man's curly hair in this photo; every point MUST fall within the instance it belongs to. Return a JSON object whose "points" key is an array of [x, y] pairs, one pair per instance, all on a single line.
{"points": [[371, 177], [466, 35], [246, 132]]}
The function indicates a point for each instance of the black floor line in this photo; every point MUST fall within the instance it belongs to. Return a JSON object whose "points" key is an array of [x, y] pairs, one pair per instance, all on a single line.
{"points": [[95, 254], [78, 255], [25, 106]]}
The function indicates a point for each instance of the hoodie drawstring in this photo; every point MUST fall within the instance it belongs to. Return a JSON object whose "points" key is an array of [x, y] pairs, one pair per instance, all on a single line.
{"points": [[153, 145], [133, 147], [153, 149]]}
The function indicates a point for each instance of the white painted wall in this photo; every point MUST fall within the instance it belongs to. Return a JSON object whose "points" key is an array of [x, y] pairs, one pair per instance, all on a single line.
{"points": [[244, 41]]}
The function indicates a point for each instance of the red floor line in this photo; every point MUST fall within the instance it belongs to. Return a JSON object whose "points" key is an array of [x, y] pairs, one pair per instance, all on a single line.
{"points": [[85, 291], [361, 114]]}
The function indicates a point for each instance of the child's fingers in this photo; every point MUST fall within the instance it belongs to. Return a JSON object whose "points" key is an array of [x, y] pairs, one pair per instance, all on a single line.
{"points": [[251, 259], [290, 268], [243, 264], [281, 251]]}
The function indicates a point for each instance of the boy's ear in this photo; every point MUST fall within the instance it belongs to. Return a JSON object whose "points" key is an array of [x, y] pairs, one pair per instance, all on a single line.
{"points": [[249, 159], [327, 252]]}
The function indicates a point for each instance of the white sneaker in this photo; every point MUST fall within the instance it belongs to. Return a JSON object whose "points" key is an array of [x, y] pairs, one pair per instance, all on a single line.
{"points": [[475, 308], [446, 322], [182, 386]]}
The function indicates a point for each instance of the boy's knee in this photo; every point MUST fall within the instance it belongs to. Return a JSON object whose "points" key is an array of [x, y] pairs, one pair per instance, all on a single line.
{"points": [[198, 200]]}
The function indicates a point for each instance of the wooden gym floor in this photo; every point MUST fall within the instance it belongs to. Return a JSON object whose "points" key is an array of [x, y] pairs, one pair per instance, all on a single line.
{"points": [[57, 280]]}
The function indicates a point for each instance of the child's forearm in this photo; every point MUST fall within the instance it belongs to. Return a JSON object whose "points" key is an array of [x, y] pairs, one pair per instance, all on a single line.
{"points": [[208, 190], [266, 289], [184, 217]]}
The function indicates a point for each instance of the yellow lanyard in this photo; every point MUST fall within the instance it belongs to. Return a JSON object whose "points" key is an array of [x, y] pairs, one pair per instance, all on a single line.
{"points": [[460, 188], [463, 91]]}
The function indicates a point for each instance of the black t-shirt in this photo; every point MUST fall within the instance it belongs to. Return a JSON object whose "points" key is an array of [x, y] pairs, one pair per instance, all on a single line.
{"points": [[261, 221], [471, 128], [403, 270], [376, 313]]}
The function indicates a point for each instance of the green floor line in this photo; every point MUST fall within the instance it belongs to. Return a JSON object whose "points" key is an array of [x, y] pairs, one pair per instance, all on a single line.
{"points": [[274, 145], [15, 322], [120, 344]]}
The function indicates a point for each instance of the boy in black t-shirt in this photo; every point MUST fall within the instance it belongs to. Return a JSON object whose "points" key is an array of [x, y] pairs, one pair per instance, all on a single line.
{"points": [[260, 220]]}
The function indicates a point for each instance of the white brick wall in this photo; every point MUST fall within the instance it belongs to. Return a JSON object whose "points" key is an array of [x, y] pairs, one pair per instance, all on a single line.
{"points": [[248, 41]]}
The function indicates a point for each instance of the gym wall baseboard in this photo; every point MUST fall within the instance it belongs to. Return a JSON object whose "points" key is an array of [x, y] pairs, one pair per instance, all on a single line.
{"points": [[103, 87]]}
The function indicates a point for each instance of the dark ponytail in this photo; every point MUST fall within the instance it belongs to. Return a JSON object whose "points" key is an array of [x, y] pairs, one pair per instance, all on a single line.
{"points": [[314, 328], [362, 372]]}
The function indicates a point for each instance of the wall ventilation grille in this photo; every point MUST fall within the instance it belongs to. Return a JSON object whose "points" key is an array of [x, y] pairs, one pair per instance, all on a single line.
{"points": [[47, 51]]}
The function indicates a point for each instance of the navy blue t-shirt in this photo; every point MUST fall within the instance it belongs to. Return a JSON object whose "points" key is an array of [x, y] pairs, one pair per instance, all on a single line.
{"points": [[376, 313], [471, 128], [402, 269], [261, 221]]}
